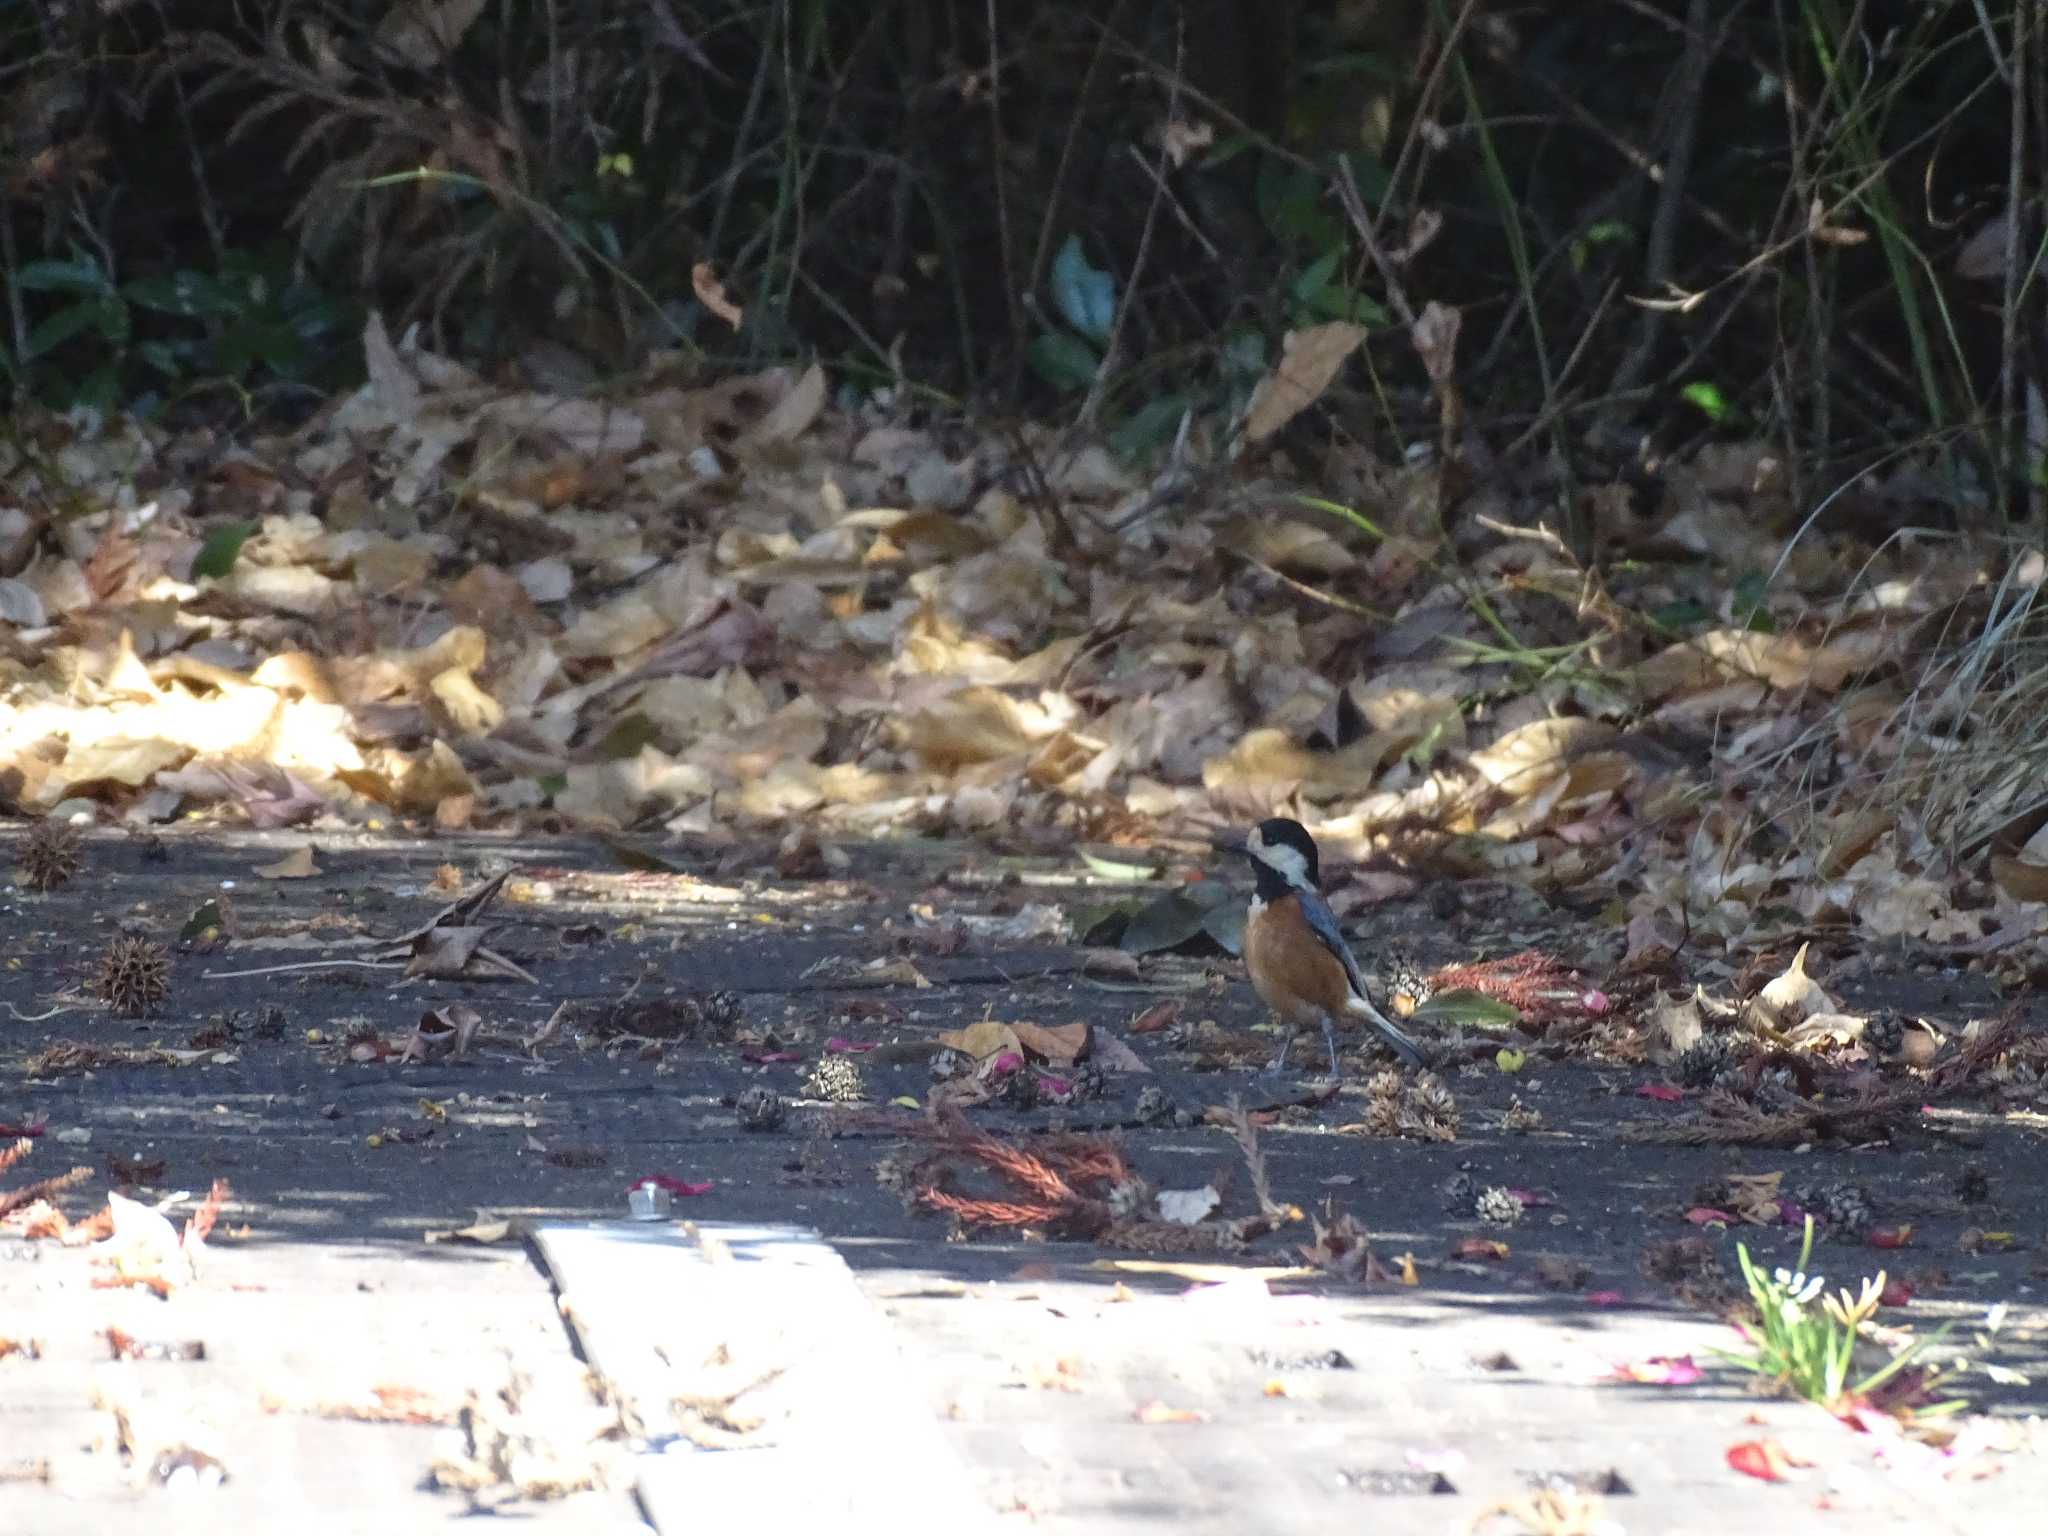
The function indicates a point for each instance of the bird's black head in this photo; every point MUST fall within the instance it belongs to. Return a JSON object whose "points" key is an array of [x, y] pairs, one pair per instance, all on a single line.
{"points": [[1283, 857]]}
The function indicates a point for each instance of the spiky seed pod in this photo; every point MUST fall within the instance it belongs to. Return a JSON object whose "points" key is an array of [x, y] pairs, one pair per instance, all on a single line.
{"points": [[1154, 1107], [1129, 1198], [1403, 983], [760, 1109], [50, 856], [837, 1080], [1383, 1117], [1884, 1034], [1460, 1193], [1384, 1084], [1434, 1102], [1704, 1060], [134, 975], [723, 1013], [1518, 1117], [1498, 1205], [1844, 1206]]}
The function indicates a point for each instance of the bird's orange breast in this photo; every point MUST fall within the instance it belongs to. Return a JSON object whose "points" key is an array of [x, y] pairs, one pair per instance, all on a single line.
{"points": [[1292, 970]]}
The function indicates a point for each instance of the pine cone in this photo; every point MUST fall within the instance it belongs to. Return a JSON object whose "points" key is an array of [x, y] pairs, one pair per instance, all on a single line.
{"points": [[723, 1013], [761, 1109], [1090, 1082], [1154, 1107], [134, 975], [1384, 1084], [1434, 1104], [50, 855], [1884, 1034], [1518, 1117], [837, 1080], [1383, 1117], [1844, 1206], [1499, 1205], [1403, 983], [1460, 1194], [1704, 1060]]}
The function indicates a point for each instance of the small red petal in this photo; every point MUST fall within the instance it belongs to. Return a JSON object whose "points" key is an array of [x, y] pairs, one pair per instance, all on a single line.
{"points": [[1759, 1459], [1663, 1093], [1603, 1298], [1707, 1216], [1896, 1293], [840, 1046], [1891, 1237], [673, 1185]]}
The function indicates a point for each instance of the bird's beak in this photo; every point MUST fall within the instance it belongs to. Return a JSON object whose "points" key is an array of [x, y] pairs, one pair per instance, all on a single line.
{"points": [[1232, 842]]}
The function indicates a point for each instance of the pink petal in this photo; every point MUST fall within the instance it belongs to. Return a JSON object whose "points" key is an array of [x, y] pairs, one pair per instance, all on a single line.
{"points": [[769, 1058], [839, 1046], [1663, 1093], [1603, 1298]]}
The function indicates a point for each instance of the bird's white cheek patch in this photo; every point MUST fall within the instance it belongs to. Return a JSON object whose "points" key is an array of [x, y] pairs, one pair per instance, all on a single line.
{"points": [[1288, 861]]}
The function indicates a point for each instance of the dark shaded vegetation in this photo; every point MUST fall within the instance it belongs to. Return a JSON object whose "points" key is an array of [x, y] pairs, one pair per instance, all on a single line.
{"points": [[1818, 220]]}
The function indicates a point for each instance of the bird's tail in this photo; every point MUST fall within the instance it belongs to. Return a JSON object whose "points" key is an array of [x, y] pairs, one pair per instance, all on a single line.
{"points": [[1402, 1046]]}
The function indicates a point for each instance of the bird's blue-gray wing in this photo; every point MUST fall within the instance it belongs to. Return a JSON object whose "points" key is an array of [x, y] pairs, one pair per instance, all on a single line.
{"points": [[1323, 923]]}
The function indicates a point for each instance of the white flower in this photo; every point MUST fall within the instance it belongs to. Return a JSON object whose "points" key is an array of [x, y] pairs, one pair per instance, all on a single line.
{"points": [[1799, 1289]]}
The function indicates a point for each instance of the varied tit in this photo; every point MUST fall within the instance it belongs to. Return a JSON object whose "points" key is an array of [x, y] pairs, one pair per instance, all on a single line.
{"points": [[1300, 965]]}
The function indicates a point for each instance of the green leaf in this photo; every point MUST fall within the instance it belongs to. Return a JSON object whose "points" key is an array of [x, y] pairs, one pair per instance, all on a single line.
{"points": [[187, 293], [1681, 615], [1085, 296], [163, 356], [1462, 1005], [1153, 426], [1315, 277], [100, 389], [1350, 515], [52, 331], [1708, 400], [628, 736], [204, 917], [63, 277], [1166, 922], [1748, 604], [217, 555], [1063, 360]]}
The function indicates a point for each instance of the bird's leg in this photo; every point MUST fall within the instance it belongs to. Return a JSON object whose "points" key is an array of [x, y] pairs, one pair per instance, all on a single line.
{"points": [[1330, 1044], [1279, 1061]]}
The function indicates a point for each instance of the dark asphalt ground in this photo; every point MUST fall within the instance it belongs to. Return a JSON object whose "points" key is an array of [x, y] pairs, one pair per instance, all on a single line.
{"points": [[327, 1156]]}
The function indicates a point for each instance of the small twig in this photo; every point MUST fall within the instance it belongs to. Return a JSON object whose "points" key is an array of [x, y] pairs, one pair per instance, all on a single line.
{"points": [[1086, 416], [1661, 249], [303, 965], [37, 1018]]}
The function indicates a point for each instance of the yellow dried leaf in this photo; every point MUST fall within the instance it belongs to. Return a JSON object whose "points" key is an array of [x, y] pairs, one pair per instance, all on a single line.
{"points": [[1309, 360]]}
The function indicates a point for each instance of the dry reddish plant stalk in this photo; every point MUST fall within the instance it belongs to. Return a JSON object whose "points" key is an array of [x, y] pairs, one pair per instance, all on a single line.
{"points": [[1532, 981], [42, 1189]]}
